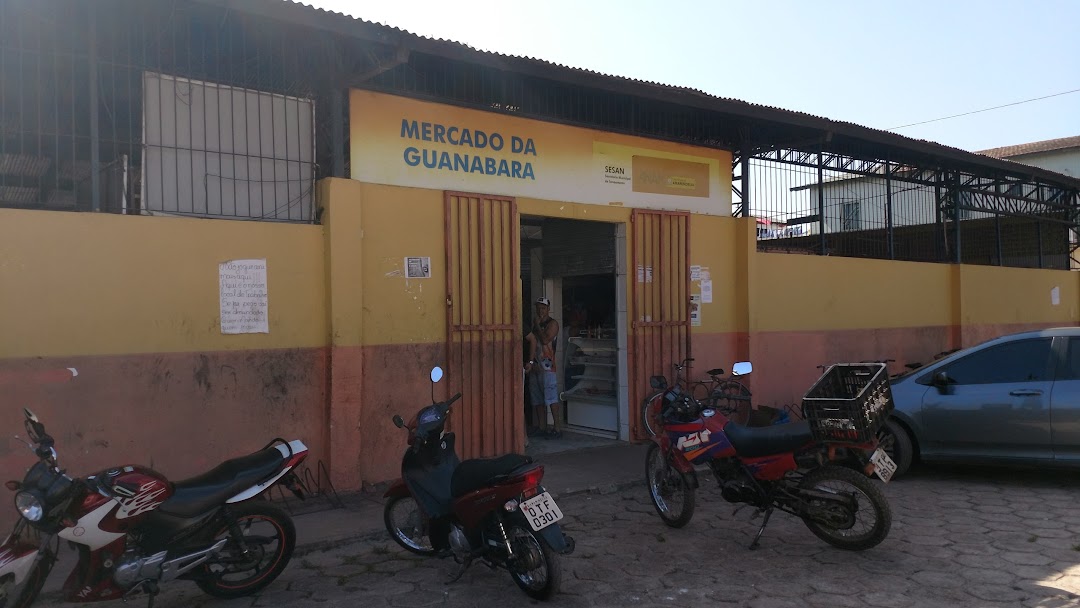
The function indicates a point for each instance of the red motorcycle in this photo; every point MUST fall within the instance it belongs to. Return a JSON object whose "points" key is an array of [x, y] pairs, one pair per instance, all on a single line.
{"points": [[134, 529], [494, 510], [817, 470]]}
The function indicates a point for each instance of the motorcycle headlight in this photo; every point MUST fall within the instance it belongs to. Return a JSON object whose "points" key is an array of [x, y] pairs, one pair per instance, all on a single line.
{"points": [[29, 505]]}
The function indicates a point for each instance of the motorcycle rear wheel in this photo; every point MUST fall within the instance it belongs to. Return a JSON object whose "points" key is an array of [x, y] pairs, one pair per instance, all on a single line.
{"points": [[543, 579], [663, 480], [833, 523], [274, 551]]}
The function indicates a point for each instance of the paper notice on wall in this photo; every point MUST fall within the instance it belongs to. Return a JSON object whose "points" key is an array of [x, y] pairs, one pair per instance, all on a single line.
{"points": [[695, 273], [244, 297], [695, 310], [1055, 296], [644, 274], [417, 268], [705, 275], [706, 292]]}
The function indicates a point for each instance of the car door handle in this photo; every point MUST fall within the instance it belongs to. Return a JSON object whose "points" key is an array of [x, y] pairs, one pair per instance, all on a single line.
{"points": [[1026, 393]]}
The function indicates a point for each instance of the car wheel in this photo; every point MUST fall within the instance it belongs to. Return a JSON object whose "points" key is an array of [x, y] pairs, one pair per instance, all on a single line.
{"points": [[897, 444]]}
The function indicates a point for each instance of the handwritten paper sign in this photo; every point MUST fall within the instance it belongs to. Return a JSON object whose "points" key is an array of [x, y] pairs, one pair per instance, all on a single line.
{"points": [[244, 299]]}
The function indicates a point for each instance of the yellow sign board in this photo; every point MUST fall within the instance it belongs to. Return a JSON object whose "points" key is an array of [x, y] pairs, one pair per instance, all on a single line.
{"points": [[406, 142]]}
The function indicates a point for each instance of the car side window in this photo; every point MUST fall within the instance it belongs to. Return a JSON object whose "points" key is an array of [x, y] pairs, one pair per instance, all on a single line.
{"points": [[1071, 369], [1020, 361]]}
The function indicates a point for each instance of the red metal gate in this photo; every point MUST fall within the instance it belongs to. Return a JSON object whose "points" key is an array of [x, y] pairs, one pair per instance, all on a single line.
{"points": [[659, 301], [483, 320]]}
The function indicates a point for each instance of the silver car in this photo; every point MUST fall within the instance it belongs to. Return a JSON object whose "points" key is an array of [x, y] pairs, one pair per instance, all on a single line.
{"points": [[1014, 399]]}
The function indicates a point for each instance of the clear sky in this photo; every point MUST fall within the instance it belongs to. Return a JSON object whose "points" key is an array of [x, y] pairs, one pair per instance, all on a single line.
{"points": [[879, 64]]}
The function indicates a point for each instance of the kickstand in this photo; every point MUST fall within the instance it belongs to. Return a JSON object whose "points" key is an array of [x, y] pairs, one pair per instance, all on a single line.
{"points": [[461, 571], [152, 590], [761, 530]]}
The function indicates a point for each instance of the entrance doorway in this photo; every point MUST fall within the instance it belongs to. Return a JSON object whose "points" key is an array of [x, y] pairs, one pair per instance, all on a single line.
{"points": [[580, 267]]}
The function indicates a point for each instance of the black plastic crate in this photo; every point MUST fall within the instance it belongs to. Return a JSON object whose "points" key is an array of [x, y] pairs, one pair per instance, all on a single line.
{"points": [[849, 403]]}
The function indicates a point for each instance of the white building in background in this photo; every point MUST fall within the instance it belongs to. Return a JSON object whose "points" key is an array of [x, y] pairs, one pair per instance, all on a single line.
{"points": [[1060, 155], [859, 203]]}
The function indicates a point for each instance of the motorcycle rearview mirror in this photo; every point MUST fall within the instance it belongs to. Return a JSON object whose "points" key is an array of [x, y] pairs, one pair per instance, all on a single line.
{"points": [[742, 368], [436, 376], [398, 422]]}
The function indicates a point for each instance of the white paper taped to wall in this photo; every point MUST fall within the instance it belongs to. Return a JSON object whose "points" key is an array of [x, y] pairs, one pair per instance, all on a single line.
{"points": [[1055, 296]]}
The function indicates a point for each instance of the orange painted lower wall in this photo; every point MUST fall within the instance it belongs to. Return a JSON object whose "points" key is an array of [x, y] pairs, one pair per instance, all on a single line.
{"points": [[396, 380], [182, 414]]}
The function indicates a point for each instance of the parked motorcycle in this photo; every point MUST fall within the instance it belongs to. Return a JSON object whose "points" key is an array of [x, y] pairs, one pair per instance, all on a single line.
{"points": [[134, 529], [817, 470], [493, 510]]}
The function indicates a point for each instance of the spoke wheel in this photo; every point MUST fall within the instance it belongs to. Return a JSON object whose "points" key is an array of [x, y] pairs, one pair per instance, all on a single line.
{"points": [[407, 525], [857, 519], [670, 489]]}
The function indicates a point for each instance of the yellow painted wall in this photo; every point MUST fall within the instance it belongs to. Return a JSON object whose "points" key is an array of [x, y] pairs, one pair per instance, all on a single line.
{"points": [[399, 222], [713, 245], [1003, 296], [81, 283], [343, 247], [815, 293]]}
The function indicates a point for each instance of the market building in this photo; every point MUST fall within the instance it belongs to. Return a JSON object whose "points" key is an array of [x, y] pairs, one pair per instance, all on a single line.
{"points": [[229, 220]]}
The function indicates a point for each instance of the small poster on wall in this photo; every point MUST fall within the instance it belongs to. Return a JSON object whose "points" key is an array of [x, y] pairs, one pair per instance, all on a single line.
{"points": [[244, 297], [706, 291], [695, 310], [417, 268]]}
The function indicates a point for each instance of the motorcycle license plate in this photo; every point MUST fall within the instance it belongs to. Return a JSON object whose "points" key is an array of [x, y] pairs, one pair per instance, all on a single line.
{"points": [[541, 511], [884, 467]]}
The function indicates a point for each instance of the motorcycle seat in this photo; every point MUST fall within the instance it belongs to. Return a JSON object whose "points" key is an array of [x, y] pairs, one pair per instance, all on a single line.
{"points": [[201, 494], [474, 474], [751, 442]]}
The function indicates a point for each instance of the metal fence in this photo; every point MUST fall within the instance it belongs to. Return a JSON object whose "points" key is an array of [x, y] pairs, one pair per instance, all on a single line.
{"points": [[824, 203], [160, 108]]}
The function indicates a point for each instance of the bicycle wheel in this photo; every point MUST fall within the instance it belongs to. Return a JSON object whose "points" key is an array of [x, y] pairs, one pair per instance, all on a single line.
{"points": [[651, 422], [729, 398]]}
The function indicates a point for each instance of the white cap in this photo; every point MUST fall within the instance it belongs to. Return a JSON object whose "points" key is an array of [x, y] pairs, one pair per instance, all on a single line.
{"points": [[543, 300]]}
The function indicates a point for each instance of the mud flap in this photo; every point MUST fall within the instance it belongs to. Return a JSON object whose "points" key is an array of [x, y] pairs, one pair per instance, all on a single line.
{"points": [[554, 537]]}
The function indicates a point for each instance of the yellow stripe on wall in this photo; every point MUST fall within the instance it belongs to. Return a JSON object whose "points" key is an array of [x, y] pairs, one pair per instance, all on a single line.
{"points": [[99, 284]]}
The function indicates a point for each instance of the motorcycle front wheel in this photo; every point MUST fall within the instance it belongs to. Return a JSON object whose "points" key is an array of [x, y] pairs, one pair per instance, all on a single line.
{"points": [[665, 482], [407, 525], [23, 597], [535, 566], [859, 521], [269, 537]]}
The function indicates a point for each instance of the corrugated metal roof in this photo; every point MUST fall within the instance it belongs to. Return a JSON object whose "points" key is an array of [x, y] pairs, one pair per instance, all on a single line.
{"points": [[300, 13], [1047, 145]]}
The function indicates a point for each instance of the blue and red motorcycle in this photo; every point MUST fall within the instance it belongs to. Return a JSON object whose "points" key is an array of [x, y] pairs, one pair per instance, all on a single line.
{"points": [[818, 469]]}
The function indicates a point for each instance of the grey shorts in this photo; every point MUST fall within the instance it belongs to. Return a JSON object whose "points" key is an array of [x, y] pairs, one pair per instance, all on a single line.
{"points": [[543, 388]]}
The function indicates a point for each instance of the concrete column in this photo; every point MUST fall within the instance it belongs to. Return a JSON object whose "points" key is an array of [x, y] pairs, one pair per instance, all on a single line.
{"points": [[343, 232]]}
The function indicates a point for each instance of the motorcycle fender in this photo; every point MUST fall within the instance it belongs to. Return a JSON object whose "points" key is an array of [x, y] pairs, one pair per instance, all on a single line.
{"points": [[17, 559], [677, 460], [398, 489], [554, 537]]}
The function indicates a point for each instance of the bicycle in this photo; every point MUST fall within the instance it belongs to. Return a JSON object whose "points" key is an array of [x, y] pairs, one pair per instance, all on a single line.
{"points": [[725, 395]]}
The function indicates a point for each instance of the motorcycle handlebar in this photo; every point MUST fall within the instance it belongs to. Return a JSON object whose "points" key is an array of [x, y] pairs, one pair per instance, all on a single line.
{"points": [[452, 400]]}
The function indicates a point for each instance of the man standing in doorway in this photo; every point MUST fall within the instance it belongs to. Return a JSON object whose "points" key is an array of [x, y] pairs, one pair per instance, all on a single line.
{"points": [[543, 383]]}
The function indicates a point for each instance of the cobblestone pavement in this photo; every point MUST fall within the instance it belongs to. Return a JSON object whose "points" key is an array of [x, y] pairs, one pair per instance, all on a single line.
{"points": [[960, 537]]}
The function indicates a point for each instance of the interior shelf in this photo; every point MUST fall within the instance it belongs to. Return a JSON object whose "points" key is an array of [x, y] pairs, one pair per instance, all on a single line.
{"points": [[592, 403]]}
